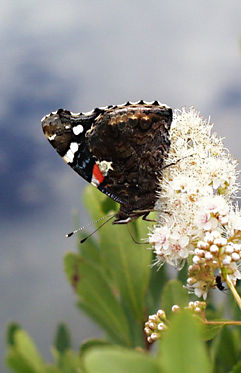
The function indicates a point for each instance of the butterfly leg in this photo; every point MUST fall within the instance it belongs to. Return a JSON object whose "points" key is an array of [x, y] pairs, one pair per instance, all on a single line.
{"points": [[144, 217]]}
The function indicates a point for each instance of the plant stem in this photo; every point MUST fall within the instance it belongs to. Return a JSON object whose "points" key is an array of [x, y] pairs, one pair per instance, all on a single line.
{"points": [[233, 290], [231, 322]]}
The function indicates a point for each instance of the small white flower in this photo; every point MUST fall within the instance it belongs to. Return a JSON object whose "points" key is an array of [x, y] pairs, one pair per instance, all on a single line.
{"points": [[214, 249], [161, 314], [235, 221], [216, 234], [153, 318], [227, 260], [235, 257], [209, 238], [229, 249], [200, 290], [161, 326], [202, 220], [220, 241], [196, 259], [237, 247], [202, 245], [147, 330], [152, 325], [215, 205], [208, 256], [191, 281], [199, 252], [154, 336], [224, 220]]}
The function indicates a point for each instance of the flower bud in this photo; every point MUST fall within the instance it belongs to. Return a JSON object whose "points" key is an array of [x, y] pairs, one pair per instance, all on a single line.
{"points": [[161, 314], [235, 257]]}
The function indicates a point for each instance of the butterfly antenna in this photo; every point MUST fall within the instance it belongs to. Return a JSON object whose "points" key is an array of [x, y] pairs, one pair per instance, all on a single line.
{"points": [[84, 227], [91, 234]]}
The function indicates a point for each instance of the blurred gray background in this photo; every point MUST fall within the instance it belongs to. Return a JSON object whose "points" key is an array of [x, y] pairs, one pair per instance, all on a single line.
{"points": [[78, 55]]}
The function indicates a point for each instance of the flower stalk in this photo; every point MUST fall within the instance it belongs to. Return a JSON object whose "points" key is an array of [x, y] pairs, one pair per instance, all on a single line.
{"points": [[234, 291]]}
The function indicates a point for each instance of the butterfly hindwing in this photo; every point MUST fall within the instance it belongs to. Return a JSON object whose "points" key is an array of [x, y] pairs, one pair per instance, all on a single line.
{"points": [[119, 149]]}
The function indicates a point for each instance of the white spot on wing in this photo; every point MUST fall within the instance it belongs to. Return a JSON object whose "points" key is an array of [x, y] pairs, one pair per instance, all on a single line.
{"points": [[104, 167], [75, 114], [69, 157], [95, 182], [78, 129], [45, 117], [122, 105], [74, 147], [51, 138], [89, 112], [48, 115]]}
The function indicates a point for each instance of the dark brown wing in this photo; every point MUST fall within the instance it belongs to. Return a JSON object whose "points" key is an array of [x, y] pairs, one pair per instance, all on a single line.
{"points": [[134, 140]]}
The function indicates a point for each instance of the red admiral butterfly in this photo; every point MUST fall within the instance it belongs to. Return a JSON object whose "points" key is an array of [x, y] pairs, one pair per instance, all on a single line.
{"points": [[119, 149]]}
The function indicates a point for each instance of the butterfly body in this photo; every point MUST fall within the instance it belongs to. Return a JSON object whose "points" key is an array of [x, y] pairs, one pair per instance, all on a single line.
{"points": [[119, 149]]}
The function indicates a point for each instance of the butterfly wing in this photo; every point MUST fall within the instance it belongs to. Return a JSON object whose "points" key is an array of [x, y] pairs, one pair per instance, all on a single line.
{"points": [[119, 149]]}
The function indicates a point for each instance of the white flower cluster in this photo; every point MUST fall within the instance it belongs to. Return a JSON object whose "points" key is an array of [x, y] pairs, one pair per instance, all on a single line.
{"points": [[158, 323], [218, 250], [196, 194], [155, 325]]}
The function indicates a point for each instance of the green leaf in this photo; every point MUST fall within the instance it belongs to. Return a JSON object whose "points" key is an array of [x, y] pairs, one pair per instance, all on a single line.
{"points": [[90, 249], [157, 281], [237, 368], [23, 355], [97, 297], [130, 265], [90, 343], [62, 339], [11, 329], [210, 331], [115, 360], [234, 308], [173, 293], [69, 362], [51, 369], [98, 204], [181, 348], [126, 263], [17, 363], [225, 349], [183, 274]]}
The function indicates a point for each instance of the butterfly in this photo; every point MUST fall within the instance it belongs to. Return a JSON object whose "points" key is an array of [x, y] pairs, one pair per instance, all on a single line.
{"points": [[119, 149]]}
